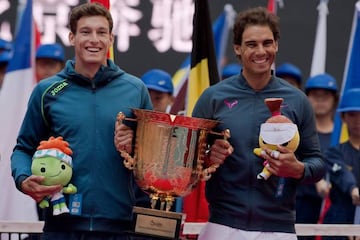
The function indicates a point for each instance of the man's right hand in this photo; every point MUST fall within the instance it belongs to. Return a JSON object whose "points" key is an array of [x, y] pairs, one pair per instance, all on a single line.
{"points": [[219, 151], [123, 136], [32, 187]]}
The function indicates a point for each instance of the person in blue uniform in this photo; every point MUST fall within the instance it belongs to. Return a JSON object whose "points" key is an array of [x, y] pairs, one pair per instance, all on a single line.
{"points": [[6, 52], [322, 93], [343, 161], [290, 73], [240, 205], [161, 88], [49, 60], [80, 104]]}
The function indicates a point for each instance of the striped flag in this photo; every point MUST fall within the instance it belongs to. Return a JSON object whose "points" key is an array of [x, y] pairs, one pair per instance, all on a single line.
{"points": [[18, 84], [203, 73], [203, 66], [351, 74], [106, 3], [319, 55], [221, 28]]}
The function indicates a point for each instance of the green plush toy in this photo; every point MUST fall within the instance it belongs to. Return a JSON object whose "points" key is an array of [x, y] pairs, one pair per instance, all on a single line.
{"points": [[53, 161]]}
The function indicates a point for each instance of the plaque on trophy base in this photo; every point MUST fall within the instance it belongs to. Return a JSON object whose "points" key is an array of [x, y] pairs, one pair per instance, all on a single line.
{"points": [[157, 223]]}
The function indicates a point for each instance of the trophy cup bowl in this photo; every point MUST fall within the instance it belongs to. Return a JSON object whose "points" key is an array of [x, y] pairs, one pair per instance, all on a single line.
{"points": [[167, 163]]}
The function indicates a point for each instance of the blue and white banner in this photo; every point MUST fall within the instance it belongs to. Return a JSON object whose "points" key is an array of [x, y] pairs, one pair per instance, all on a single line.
{"points": [[351, 74], [18, 84]]}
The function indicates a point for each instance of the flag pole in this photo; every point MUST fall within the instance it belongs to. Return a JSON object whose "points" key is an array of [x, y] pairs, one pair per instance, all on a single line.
{"points": [[319, 55]]}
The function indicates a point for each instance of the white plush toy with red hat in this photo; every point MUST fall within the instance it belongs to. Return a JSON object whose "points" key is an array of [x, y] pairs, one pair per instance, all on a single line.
{"points": [[53, 161], [277, 130]]}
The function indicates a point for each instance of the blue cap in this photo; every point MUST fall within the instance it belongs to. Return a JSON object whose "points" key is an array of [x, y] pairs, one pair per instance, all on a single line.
{"points": [[53, 51], [321, 81], [5, 56], [158, 80], [350, 101], [230, 70], [288, 69], [5, 51], [5, 45]]}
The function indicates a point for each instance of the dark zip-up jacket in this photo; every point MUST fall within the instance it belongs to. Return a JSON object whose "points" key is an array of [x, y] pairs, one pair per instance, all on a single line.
{"points": [[236, 197], [343, 161], [83, 112]]}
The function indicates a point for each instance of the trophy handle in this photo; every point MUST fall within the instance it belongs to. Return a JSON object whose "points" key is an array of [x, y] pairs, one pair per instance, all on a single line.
{"points": [[206, 173], [129, 161]]}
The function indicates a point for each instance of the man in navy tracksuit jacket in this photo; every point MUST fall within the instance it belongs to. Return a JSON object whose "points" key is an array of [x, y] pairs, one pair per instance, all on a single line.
{"points": [[343, 161], [236, 197], [241, 206]]}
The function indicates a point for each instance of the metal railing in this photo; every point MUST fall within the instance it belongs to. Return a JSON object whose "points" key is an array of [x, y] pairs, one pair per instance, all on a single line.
{"points": [[32, 230], [301, 229]]}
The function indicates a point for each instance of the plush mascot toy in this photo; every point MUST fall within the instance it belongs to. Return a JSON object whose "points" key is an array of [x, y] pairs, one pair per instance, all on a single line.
{"points": [[277, 130], [53, 161]]}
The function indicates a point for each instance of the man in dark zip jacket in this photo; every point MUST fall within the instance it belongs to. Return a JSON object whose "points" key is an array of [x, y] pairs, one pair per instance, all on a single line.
{"points": [[80, 104], [241, 206]]}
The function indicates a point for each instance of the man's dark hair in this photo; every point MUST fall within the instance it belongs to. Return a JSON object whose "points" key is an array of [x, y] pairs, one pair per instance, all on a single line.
{"points": [[255, 16], [88, 10]]}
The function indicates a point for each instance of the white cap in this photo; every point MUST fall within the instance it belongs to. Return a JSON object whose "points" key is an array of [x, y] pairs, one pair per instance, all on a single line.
{"points": [[277, 133], [53, 153]]}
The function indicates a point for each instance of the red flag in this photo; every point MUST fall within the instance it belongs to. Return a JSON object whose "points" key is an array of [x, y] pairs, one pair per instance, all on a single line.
{"points": [[106, 3], [272, 6], [203, 73]]}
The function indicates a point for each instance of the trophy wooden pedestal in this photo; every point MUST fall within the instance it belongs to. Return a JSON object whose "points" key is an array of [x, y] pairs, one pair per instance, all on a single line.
{"points": [[157, 223]]}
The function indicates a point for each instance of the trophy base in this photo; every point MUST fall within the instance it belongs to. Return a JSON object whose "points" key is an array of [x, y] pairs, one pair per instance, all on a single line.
{"points": [[157, 223]]}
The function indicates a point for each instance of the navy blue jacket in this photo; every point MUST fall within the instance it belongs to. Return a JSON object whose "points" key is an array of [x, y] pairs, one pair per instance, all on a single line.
{"points": [[83, 112], [236, 197], [344, 168]]}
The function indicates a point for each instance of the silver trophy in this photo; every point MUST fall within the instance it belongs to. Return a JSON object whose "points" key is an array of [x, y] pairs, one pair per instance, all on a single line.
{"points": [[167, 163]]}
